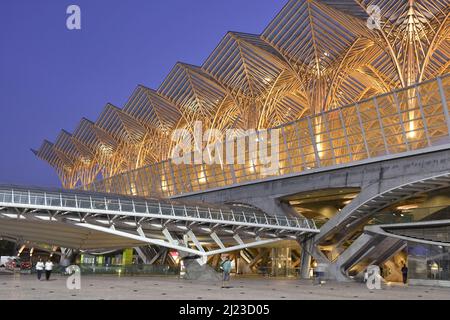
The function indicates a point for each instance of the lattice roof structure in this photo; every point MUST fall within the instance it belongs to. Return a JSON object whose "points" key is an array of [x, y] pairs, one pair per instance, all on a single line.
{"points": [[316, 55]]}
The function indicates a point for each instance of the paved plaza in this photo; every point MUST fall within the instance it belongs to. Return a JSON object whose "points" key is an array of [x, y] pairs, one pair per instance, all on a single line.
{"points": [[26, 287]]}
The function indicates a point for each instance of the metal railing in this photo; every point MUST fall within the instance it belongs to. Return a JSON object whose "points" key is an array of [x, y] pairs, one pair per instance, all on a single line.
{"points": [[96, 203], [400, 122]]}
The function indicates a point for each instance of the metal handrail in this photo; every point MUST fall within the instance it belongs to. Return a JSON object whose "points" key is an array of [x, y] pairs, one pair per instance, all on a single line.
{"points": [[104, 203]]}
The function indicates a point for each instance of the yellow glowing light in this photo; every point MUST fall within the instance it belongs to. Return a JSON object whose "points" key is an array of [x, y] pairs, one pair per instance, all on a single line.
{"points": [[252, 168], [164, 186], [412, 133], [408, 207], [133, 189], [202, 177]]}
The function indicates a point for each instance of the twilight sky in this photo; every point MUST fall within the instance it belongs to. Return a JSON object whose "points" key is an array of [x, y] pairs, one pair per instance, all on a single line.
{"points": [[51, 77]]}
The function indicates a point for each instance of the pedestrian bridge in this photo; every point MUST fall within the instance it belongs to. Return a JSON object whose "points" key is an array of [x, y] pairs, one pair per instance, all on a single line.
{"points": [[92, 221]]}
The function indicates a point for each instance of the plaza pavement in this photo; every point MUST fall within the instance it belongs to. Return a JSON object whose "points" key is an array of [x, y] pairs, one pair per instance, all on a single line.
{"points": [[27, 287]]}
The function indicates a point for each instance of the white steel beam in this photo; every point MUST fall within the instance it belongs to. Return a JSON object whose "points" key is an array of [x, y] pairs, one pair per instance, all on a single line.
{"points": [[241, 247], [138, 238], [169, 237], [217, 240], [238, 239]]}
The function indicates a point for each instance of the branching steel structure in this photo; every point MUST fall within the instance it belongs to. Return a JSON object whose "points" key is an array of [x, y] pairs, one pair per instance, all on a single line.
{"points": [[315, 56]]}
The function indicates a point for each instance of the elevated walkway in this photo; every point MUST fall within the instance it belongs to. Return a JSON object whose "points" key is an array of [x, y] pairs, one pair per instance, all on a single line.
{"points": [[83, 220]]}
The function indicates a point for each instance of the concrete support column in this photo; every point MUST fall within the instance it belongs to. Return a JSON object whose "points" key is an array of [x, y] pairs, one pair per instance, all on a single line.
{"points": [[195, 271], [68, 257], [305, 265]]}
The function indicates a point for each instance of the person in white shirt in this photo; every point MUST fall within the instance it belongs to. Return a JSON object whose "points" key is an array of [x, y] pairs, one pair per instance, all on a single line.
{"points": [[48, 269], [40, 268]]}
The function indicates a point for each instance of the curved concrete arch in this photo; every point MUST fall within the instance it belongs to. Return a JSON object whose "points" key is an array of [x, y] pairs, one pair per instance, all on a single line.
{"points": [[372, 200], [408, 232], [356, 214]]}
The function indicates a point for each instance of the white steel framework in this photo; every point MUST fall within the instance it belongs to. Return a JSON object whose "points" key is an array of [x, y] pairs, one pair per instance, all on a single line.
{"points": [[89, 221]]}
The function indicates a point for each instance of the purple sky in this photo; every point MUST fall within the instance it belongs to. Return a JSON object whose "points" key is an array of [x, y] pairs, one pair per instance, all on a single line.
{"points": [[51, 77]]}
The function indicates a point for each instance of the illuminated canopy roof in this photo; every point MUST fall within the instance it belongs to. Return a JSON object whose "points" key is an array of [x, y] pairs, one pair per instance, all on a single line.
{"points": [[315, 55]]}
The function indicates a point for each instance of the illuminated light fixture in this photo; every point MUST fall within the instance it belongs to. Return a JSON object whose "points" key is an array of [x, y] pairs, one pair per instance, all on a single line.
{"points": [[159, 226], [228, 231], [182, 227], [320, 148], [21, 249], [434, 267], [44, 218], [412, 135], [408, 207], [13, 216], [164, 186], [411, 132], [206, 229], [202, 177], [102, 222], [252, 168], [133, 189]]}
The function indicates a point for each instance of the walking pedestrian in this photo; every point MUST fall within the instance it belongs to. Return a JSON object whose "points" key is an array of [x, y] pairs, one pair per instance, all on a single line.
{"points": [[40, 268], [405, 273], [226, 267], [48, 269]]}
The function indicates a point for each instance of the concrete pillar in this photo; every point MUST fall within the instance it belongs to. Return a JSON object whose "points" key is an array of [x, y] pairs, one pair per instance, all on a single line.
{"points": [[194, 270], [68, 257], [305, 265]]}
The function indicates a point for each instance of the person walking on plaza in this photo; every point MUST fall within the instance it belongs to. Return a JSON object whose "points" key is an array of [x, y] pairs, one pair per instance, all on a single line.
{"points": [[405, 273], [40, 268], [48, 269], [226, 267]]}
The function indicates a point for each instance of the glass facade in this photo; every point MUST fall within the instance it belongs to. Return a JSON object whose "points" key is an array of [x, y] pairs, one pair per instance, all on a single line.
{"points": [[429, 263], [403, 121]]}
